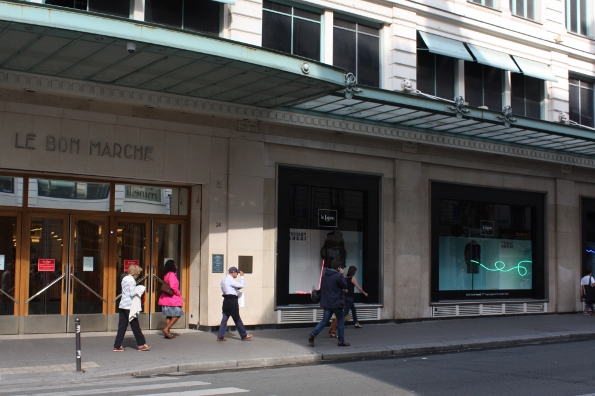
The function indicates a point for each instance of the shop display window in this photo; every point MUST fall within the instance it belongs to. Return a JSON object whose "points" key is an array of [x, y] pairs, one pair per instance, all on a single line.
{"points": [[486, 244], [326, 216]]}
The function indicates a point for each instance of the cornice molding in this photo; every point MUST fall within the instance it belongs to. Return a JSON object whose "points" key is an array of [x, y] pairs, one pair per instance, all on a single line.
{"points": [[135, 97]]}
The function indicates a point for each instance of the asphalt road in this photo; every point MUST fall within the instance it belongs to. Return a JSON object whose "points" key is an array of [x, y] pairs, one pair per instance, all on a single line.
{"points": [[550, 369]]}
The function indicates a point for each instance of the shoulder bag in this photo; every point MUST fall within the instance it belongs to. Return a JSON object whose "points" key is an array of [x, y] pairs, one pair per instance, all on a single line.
{"points": [[165, 288]]}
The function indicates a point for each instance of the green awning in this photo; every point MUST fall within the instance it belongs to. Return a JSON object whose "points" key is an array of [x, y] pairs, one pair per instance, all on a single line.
{"points": [[445, 46], [535, 69], [231, 2], [493, 58]]}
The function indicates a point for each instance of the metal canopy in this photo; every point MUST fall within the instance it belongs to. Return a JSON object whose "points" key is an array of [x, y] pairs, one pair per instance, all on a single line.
{"points": [[418, 112], [53, 41]]}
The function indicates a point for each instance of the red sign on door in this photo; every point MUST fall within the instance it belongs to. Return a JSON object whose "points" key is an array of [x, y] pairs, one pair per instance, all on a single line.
{"points": [[128, 263], [46, 264]]}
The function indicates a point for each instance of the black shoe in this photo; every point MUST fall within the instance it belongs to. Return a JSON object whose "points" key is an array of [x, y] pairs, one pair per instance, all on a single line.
{"points": [[311, 339], [343, 344]]}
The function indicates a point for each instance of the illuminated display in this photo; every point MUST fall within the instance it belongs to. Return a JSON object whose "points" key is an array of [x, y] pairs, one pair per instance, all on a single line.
{"points": [[500, 266]]}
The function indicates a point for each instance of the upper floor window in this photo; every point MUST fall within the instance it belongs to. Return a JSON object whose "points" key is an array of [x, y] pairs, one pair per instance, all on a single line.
{"points": [[435, 72], [487, 3], [198, 16], [356, 48], [291, 30], [526, 95], [524, 8], [119, 8], [578, 16], [483, 85], [581, 101]]}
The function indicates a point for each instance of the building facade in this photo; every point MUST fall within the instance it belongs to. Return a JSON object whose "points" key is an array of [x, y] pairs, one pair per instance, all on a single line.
{"points": [[444, 148]]}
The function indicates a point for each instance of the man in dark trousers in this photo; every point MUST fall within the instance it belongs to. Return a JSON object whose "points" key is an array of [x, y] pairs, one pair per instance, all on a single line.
{"points": [[331, 300], [230, 287]]}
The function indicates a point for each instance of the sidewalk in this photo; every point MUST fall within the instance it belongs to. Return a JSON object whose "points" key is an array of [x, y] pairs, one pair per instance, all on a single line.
{"points": [[53, 357]]}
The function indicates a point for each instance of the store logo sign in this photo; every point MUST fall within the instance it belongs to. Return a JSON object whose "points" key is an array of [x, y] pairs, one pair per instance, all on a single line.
{"points": [[327, 218]]}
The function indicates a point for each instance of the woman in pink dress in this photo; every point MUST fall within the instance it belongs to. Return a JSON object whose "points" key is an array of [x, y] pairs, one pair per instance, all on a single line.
{"points": [[171, 306]]}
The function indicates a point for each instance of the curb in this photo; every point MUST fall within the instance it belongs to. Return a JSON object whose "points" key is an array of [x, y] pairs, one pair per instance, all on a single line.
{"points": [[365, 353]]}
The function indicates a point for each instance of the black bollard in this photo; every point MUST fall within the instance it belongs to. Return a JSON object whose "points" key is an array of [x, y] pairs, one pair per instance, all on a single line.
{"points": [[78, 345]]}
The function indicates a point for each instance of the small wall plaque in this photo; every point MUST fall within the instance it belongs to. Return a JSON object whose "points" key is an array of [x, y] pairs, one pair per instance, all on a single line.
{"points": [[245, 264], [217, 266]]}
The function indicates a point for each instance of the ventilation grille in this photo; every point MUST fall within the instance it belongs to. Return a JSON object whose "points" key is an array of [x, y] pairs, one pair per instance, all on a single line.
{"points": [[443, 311], [315, 315]]}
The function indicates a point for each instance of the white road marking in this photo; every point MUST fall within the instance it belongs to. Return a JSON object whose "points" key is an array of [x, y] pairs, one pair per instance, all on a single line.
{"points": [[204, 392], [127, 389]]}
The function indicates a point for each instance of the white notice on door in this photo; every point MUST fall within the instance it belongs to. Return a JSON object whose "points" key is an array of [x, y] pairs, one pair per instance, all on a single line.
{"points": [[2, 262], [87, 263]]}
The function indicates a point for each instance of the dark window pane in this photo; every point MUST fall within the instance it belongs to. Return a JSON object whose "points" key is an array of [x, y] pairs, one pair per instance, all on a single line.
{"points": [[533, 89], [306, 14], [77, 4], [587, 107], [202, 16], [445, 77], [369, 30], [584, 20], [306, 39], [530, 9], [165, 12], [276, 32], [112, 7], [345, 24], [425, 72], [368, 62], [574, 103], [573, 16], [473, 84], [492, 96], [344, 49], [517, 94], [269, 5]]}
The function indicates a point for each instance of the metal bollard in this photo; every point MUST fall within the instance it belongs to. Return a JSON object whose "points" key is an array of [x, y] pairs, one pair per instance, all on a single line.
{"points": [[78, 345]]}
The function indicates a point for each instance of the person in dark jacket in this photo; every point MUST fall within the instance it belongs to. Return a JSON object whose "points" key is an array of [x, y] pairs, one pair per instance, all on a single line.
{"points": [[331, 300]]}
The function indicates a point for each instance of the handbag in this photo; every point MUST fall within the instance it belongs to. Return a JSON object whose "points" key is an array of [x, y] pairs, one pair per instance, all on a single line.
{"points": [[165, 288], [315, 295]]}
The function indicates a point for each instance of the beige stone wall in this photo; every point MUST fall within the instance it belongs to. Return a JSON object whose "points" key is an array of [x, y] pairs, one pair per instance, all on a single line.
{"points": [[233, 180]]}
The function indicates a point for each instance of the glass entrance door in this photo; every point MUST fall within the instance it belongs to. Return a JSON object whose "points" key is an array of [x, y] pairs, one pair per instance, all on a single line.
{"points": [[132, 248], [168, 240], [65, 274], [9, 301]]}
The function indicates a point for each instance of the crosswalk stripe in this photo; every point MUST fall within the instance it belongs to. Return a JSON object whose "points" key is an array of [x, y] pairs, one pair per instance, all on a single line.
{"points": [[79, 385], [203, 392], [126, 389]]}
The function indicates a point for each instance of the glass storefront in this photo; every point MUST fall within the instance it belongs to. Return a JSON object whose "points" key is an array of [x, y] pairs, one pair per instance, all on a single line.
{"points": [[588, 235], [486, 243], [80, 237], [326, 216]]}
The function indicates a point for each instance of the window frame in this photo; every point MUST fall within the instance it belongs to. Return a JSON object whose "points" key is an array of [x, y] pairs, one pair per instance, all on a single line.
{"points": [[359, 30], [578, 19], [526, 79], [581, 90], [489, 196], [288, 177], [292, 17], [484, 92], [485, 3], [525, 5]]}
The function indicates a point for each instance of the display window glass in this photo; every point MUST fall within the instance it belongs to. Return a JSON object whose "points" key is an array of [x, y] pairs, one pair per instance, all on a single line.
{"points": [[486, 244], [322, 217]]}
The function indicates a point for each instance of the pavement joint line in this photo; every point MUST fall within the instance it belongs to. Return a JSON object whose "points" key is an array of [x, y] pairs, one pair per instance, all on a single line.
{"points": [[45, 369]]}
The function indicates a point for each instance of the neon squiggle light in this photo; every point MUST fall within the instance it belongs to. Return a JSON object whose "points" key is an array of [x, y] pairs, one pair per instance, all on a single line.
{"points": [[500, 265], [590, 251]]}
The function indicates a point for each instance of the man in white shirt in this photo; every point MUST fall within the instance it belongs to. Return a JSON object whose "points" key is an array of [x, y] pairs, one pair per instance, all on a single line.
{"points": [[229, 288], [587, 292]]}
